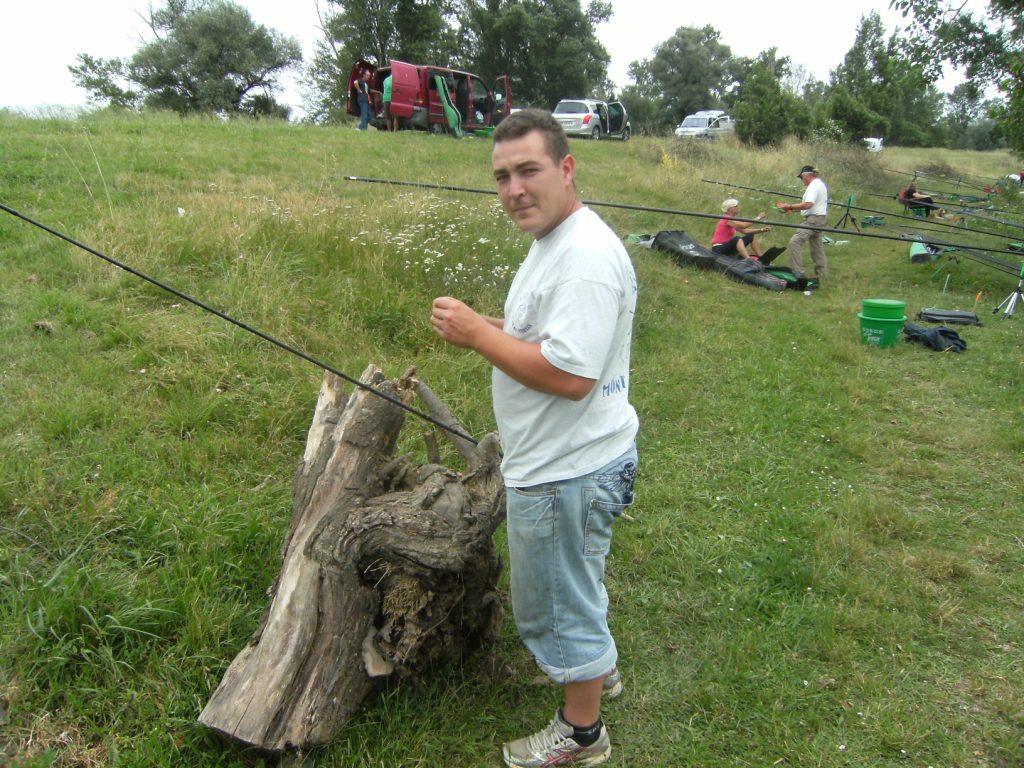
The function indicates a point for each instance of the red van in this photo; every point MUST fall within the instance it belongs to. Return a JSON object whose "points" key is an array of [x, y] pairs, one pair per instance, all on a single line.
{"points": [[417, 102]]}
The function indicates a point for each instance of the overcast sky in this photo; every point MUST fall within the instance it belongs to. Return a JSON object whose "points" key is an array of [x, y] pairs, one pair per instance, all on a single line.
{"points": [[40, 38]]}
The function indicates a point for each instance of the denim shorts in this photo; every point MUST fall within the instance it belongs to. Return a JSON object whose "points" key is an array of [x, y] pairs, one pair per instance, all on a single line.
{"points": [[559, 535]]}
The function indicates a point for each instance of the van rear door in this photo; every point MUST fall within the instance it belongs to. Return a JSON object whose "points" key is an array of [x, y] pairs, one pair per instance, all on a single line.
{"points": [[405, 89], [501, 103]]}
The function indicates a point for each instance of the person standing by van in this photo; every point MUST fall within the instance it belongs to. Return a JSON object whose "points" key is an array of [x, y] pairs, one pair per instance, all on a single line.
{"points": [[560, 389], [390, 123], [814, 209], [363, 87]]}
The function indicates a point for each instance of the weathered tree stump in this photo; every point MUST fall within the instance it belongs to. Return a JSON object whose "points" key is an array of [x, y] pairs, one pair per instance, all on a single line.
{"points": [[388, 568]]}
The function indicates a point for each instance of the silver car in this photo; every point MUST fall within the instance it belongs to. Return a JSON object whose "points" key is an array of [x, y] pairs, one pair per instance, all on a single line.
{"points": [[594, 119]]}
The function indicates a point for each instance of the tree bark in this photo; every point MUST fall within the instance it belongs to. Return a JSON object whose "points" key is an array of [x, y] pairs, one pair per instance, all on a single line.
{"points": [[388, 568]]}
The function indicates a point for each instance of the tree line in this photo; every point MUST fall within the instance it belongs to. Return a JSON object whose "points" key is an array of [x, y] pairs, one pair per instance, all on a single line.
{"points": [[210, 56]]}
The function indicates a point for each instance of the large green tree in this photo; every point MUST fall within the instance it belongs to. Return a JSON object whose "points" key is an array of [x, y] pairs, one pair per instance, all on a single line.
{"points": [[418, 31], [990, 50], [549, 47], [967, 119], [642, 100], [691, 71], [764, 110], [878, 91], [207, 55]]}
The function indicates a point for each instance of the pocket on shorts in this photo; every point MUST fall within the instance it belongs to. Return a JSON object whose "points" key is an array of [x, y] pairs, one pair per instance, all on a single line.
{"points": [[597, 537]]}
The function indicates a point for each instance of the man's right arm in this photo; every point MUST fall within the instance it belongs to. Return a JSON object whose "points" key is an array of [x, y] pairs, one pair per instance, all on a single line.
{"points": [[521, 360]]}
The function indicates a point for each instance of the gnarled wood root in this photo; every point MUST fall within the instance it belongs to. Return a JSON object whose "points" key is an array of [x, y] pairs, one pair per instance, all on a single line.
{"points": [[388, 568]]}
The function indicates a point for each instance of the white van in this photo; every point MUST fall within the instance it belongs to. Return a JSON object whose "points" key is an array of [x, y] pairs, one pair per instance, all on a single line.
{"points": [[706, 124]]}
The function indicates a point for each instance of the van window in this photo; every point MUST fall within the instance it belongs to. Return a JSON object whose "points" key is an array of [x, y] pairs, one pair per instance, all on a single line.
{"points": [[695, 122], [480, 105]]}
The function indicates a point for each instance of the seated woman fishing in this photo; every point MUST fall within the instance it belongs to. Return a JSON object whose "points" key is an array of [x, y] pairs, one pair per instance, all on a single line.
{"points": [[916, 201], [737, 237]]}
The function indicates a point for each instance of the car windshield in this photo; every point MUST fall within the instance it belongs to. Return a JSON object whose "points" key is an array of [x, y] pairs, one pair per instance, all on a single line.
{"points": [[694, 122], [570, 107]]}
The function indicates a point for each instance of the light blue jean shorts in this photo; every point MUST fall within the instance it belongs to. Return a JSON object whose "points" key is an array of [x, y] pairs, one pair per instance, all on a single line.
{"points": [[559, 535]]}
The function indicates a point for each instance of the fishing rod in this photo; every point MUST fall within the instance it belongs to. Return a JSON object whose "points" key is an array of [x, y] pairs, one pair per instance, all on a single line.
{"points": [[976, 254], [974, 202], [626, 206], [965, 200], [837, 204], [956, 208], [988, 187], [985, 217], [244, 326], [649, 209], [924, 175], [867, 210], [955, 251]]}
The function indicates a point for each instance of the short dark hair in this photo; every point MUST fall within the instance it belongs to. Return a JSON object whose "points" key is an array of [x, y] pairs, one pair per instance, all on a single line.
{"points": [[520, 123]]}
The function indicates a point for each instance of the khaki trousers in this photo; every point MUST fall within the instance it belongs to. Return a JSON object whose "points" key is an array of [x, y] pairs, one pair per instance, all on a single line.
{"points": [[809, 233]]}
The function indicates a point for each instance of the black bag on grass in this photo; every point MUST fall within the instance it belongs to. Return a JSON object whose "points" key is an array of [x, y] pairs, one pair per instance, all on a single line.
{"points": [[939, 339]]}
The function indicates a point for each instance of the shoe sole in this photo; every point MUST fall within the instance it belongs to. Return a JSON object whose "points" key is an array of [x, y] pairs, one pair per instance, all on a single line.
{"points": [[585, 761]]}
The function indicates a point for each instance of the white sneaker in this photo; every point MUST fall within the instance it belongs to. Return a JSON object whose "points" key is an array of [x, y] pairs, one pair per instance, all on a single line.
{"points": [[556, 746]]}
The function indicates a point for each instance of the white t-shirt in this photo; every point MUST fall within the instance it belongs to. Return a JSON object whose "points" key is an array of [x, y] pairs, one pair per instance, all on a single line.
{"points": [[816, 193], [575, 294]]}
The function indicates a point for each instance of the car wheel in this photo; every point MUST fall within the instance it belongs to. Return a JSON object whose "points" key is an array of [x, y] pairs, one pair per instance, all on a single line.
{"points": [[596, 133], [625, 134]]}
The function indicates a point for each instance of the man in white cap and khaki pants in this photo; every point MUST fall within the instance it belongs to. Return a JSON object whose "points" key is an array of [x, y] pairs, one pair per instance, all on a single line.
{"points": [[814, 209]]}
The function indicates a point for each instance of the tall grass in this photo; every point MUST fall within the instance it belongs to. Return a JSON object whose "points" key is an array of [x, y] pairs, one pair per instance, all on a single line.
{"points": [[824, 566]]}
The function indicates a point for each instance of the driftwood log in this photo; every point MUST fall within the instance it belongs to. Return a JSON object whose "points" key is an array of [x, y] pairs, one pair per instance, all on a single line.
{"points": [[388, 568]]}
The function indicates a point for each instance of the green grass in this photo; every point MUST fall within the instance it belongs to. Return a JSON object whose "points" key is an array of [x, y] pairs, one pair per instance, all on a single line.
{"points": [[824, 566]]}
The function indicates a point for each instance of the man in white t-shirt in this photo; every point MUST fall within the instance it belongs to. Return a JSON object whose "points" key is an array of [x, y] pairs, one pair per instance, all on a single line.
{"points": [[560, 385], [814, 209]]}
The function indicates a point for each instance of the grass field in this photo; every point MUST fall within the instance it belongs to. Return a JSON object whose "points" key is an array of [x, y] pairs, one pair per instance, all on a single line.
{"points": [[825, 564]]}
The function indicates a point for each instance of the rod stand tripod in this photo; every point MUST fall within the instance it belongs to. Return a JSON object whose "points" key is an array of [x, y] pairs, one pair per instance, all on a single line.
{"points": [[848, 216], [1009, 304]]}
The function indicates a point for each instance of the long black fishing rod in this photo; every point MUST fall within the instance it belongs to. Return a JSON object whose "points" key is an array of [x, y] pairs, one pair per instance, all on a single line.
{"points": [[627, 206], [925, 175], [649, 209], [239, 323], [871, 210], [974, 202], [956, 182], [996, 220], [955, 251], [975, 254], [838, 204], [957, 208]]}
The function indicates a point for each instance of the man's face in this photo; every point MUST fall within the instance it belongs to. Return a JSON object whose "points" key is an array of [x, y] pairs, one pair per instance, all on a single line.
{"points": [[806, 178], [536, 192]]}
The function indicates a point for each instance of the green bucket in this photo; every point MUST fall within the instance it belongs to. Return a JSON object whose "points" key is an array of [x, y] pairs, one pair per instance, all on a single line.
{"points": [[880, 332], [884, 309]]}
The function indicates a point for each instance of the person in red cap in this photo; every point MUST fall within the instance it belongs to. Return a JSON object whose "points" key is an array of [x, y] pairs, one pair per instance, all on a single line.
{"points": [[814, 209]]}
